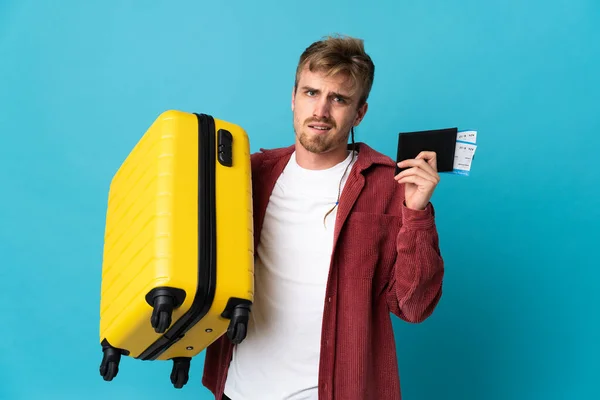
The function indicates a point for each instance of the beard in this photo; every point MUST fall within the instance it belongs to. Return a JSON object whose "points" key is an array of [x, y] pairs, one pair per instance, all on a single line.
{"points": [[321, 143]]}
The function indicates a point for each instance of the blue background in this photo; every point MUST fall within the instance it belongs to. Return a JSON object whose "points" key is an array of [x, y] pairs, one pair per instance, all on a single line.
{"points": [[80, 82]]}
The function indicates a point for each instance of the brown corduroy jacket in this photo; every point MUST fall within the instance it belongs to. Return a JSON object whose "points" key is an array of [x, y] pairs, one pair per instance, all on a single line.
{"points": [[386, 260]]}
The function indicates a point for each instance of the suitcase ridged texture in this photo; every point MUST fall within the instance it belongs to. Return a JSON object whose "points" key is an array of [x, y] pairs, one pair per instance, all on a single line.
{"points": [[142, 229], [128, 253]]}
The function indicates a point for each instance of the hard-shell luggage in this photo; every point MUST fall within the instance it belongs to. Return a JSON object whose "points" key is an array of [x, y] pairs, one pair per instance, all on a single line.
{"points": [[178, 259]]}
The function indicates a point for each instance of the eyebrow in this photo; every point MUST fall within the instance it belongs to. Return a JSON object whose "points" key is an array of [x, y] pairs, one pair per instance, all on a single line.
{"points": [[335, 94]]}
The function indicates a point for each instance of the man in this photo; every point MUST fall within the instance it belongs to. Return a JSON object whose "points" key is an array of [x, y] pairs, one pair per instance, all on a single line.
{"points": [[340, 243]]}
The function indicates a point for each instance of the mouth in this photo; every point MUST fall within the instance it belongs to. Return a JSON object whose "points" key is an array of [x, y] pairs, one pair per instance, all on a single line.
{"points": [[320, 128]]}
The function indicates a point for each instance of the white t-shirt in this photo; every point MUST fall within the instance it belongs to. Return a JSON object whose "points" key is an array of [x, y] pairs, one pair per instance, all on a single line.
{"points": [[279, 358]]}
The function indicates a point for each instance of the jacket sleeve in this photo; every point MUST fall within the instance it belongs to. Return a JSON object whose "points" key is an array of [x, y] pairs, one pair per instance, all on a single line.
{"points": [[415, 285]]}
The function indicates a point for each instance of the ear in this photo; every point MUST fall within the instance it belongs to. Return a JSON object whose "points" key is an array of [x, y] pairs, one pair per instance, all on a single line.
{"points": [[293, 97], [362, 111]]}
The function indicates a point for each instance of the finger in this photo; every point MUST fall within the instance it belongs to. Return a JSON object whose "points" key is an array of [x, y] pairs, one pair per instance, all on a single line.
{"points": [[429, 162], [426, 155], [418, 172], [421, 163], [430, 157], [417, 180], [423, 168], [415, 171]]}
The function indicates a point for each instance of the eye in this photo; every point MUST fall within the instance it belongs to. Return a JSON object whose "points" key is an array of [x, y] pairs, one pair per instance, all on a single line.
{"points": [[310, 92], [340, 99]]}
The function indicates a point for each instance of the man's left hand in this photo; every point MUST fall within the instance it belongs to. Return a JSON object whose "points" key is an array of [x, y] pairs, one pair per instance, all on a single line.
{"points": [[420, 179]]}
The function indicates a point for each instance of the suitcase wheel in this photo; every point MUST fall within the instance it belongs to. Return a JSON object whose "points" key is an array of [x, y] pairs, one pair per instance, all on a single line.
{"points": [[181, 371], [109, 368], [238, 323], [237, 333], [163, 301], [161, 320]]}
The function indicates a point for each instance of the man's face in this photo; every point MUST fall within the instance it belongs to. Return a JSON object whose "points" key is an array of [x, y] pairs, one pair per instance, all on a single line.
{"points": [[325, 108]]}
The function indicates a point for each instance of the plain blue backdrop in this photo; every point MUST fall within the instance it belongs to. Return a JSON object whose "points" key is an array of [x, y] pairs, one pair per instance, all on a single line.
{"points": [[80, 82]]}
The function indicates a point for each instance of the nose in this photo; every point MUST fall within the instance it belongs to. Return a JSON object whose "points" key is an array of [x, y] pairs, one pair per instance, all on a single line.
{"points": [[321, 109]]}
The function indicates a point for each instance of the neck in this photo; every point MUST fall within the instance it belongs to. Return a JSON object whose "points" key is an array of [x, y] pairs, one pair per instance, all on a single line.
{"points": [[308, 160]]}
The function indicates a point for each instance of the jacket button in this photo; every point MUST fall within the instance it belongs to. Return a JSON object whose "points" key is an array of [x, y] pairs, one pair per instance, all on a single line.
{"points": [[329, 299]]}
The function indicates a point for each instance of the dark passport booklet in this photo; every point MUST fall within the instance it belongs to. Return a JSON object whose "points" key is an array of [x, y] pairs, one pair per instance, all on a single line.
{"points": [[441, 141]]}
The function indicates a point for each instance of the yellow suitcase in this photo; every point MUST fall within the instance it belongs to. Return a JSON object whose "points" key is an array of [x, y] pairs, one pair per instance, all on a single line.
{"points": [[178, 262]]}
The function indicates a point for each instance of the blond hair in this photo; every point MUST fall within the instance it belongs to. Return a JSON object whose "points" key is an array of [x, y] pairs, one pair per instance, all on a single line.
{"points": [[340, 54]]}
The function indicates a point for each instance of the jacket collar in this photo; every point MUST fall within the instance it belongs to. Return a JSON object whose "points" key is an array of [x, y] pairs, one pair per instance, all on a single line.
{"points": [[367, 157]]}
